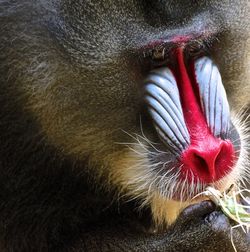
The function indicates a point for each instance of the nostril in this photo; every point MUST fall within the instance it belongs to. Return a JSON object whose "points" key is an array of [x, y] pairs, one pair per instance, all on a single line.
{"points": [[205, 162], [208, 162], [200, 162]]}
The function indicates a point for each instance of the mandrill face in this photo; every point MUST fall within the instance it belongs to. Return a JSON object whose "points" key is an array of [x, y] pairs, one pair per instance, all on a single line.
{"points": [[192, 119], [152, 95]]}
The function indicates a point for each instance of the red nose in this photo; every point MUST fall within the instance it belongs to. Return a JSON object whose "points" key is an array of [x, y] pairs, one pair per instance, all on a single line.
{"points": [[208, 160]]}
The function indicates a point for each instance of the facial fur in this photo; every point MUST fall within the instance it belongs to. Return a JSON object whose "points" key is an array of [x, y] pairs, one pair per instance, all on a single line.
{"points": [[84, 88]]}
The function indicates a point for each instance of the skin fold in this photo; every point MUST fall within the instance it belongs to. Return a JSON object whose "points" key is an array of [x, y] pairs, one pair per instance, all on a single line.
{"points": [[73, 175]]}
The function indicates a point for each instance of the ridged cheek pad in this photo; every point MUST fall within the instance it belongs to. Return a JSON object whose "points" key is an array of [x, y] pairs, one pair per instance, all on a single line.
{"points": [[190, 112]]}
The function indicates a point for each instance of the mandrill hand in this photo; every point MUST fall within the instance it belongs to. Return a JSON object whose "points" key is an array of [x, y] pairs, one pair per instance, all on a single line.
{"points": [[199, 227], [211, 226]]}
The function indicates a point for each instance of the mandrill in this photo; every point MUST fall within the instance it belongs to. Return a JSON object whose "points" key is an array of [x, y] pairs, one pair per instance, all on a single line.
{"points": [[114, 116]]}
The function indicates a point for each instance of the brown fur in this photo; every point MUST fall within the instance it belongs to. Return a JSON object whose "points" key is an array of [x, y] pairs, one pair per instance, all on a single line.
{"points": [[75, 139]]}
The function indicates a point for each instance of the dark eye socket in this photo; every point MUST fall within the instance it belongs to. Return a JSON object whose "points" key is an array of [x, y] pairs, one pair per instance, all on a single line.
{"points": [[199, 48], [157, 56]]}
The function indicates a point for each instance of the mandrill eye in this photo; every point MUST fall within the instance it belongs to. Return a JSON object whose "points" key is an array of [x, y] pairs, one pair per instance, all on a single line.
{"points": [[158, 54]]}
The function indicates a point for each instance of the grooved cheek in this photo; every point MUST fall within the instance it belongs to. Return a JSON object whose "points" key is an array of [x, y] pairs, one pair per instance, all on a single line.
{"points": [[163, 100], [212, 96]]}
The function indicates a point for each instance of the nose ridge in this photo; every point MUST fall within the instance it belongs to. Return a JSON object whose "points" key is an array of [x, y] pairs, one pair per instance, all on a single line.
{"points": [[209, 160]]}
